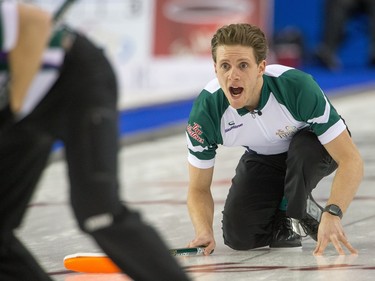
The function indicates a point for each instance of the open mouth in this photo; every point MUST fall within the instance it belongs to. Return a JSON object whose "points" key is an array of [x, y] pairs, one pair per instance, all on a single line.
{"points": [[236, 91]]}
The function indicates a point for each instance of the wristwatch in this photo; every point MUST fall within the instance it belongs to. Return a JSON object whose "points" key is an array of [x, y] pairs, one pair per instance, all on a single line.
{"points": [[333, 210]]}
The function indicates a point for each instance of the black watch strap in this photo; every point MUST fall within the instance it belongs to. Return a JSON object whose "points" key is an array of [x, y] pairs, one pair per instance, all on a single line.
{"points": [[333, 210]]}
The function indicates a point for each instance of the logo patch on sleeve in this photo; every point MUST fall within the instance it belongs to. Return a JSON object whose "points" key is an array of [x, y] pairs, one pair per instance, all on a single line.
{"points": [[195, 132]]}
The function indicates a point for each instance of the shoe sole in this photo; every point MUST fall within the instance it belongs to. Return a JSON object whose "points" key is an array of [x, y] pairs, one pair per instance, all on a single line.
{"points": [[286, 248]]}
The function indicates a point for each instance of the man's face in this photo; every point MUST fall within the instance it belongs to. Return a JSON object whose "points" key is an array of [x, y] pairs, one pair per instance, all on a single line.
{"points": [[239, 75]]}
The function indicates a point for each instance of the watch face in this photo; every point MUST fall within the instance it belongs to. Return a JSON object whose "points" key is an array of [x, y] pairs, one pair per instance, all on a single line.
{"points": [[334, 210]]}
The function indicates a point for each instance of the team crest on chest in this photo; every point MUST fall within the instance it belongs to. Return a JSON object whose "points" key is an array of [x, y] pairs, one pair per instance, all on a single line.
{"points": [[287, 132]]}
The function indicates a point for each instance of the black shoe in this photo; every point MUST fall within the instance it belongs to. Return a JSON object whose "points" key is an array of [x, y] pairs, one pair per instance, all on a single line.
{"points": [[310, 223], [283, 235]]}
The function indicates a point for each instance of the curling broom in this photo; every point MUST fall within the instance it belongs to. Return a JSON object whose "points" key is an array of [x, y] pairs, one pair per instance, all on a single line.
{"points": [[101, 263]]}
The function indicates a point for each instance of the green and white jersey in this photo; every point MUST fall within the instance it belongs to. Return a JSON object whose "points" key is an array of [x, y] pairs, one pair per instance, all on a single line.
{"points": [[290, 101], [51, 62]]}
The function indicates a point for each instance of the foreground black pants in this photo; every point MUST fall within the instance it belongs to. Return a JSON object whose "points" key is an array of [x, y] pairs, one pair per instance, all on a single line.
{"points": [[80, 110], [260, 183]]}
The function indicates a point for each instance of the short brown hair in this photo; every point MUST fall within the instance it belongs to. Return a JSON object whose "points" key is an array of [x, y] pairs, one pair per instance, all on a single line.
{"points": [[241, 34]]}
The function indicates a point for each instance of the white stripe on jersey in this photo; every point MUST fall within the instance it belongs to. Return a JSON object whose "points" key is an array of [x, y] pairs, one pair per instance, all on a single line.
{"points": [[275, 70], [323, 118], [212, 86], [333, 132]]}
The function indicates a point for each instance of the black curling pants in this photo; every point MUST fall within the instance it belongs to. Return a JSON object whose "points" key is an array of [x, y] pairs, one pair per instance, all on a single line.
{"points": [[81, 110], [260, 183]]}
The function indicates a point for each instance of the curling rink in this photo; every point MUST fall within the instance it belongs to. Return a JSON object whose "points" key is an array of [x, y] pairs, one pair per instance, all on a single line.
{"points": [[154, 181]]}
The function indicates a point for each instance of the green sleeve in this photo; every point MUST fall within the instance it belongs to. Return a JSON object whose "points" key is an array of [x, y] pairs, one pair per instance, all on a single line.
{"points": [[307, 102], [203, 129]]}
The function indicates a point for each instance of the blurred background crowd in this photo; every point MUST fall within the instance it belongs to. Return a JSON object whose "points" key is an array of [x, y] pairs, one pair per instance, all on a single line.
{"points": [[161, 48]]}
